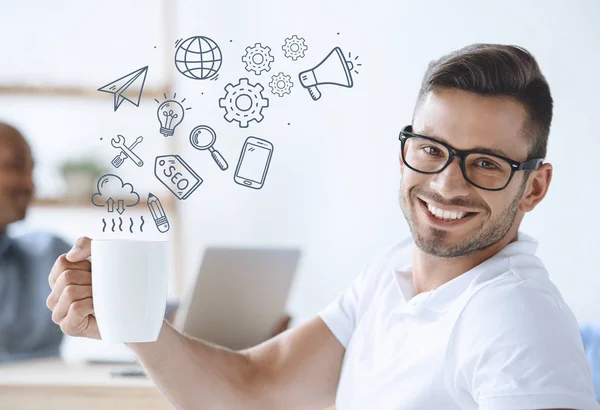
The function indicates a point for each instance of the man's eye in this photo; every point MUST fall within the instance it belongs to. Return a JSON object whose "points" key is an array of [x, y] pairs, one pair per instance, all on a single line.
{"points": [[432, 150], [484, 163]]}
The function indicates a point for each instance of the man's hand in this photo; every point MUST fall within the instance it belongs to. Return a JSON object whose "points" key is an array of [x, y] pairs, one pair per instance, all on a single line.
{"points": [[71, 297]]}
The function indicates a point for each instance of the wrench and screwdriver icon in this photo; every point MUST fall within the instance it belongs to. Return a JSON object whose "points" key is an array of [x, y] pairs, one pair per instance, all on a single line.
{"points": [[126, 152]]}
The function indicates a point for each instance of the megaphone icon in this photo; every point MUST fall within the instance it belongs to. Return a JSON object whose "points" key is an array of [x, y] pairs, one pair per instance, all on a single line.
{"points": [[334, 69]]}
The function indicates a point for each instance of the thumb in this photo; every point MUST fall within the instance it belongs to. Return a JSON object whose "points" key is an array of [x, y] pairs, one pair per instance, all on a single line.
{"points": [[81, 250]]}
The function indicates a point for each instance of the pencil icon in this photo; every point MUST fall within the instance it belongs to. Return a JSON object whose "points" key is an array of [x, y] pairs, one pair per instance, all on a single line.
{"points": [[158, 213]]}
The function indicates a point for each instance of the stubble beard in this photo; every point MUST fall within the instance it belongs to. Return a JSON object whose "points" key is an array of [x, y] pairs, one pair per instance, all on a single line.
{"points": [[434, 241]]}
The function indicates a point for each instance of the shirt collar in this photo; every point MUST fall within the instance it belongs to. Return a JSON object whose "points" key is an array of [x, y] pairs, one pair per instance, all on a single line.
{"points": [[441, 298], [524, 245]]}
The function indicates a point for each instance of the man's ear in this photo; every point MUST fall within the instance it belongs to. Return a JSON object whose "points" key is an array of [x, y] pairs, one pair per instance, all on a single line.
{"points": [[537, 187]]}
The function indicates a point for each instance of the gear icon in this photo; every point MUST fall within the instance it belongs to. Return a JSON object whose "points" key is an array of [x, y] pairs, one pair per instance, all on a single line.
{"points": [[243, 102], [258, 58], [281, 84], [294, 47]]}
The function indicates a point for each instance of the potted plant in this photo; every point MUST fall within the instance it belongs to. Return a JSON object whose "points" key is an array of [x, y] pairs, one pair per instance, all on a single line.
{"points": [[80, 176]]}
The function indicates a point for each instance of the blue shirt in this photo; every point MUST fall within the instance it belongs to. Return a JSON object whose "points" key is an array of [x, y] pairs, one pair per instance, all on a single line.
{"points": [[26, 327], [590, 335]]}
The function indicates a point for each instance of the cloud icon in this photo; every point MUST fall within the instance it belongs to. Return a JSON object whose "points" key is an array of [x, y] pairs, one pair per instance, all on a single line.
{"points": [[112, 190]]}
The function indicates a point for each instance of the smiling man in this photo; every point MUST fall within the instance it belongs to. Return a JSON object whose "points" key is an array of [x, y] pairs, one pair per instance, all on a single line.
{"points": [[462, 315]]}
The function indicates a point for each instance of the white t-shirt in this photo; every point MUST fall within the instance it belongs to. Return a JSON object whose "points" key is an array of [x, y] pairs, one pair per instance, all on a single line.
{"points": [[498, 337]]}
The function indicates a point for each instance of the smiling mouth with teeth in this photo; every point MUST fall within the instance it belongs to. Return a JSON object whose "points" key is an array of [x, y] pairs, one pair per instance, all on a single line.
{"points": [[446, 215]]}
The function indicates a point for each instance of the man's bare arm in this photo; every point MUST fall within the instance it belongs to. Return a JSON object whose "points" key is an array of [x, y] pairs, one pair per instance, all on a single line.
{"points": [[298, 369]]}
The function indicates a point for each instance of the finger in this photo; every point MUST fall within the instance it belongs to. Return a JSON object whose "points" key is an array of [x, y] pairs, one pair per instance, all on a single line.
{"points": [[62, 264], [80, 319], [82, 250], [68, 277], [72, 293]]}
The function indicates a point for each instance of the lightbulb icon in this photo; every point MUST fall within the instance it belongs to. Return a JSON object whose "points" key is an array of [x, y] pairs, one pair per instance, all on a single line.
{"points": [[170, 114]]}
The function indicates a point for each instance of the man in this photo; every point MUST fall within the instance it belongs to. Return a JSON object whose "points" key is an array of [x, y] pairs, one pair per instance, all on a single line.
{"points": [[460, 316], [26, 328]]}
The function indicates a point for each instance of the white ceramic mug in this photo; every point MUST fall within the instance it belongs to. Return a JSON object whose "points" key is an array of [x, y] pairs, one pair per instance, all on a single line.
{"points": [[129, 286]]}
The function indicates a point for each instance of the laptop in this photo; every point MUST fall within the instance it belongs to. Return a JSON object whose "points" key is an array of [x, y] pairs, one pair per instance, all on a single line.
{"points": [[238, 296]]}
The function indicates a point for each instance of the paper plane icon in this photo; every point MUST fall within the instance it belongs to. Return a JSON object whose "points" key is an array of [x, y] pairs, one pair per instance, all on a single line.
{"points": [[129, 87]]}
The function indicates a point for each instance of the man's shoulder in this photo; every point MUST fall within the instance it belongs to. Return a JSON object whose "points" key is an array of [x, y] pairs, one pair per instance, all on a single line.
{"points": [[41, 243], [513, 280], [517, 340], [516, 300]]}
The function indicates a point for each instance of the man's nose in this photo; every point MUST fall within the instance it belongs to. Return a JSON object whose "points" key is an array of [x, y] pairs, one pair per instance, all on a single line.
{"points": [[450, 182]]}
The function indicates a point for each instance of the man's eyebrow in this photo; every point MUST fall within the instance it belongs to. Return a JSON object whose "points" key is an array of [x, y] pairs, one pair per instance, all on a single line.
{"points": [[483, 150], [491, 151]]}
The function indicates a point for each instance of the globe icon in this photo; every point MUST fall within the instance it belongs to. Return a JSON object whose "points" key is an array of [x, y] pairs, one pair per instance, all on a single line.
{"points": [[198, 58]]}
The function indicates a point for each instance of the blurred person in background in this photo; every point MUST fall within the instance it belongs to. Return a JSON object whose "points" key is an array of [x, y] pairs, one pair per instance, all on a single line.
{"points": [[26, 327]]}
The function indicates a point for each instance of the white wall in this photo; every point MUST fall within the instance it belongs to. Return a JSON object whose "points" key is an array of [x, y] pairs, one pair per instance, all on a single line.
{"points": [[332, 186]]}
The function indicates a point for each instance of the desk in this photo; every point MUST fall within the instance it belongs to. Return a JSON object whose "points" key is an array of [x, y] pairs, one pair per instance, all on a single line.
{"points": [[52, 384]]}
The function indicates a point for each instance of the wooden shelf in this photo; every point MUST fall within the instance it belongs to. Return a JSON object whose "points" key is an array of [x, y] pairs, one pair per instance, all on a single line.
{"points": [[168, 203], [74, 91], [60, 203]]}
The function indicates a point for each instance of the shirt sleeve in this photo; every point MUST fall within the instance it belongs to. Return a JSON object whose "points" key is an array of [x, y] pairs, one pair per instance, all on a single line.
{"points": [[516, 346], [340, 315], [344, 313]]}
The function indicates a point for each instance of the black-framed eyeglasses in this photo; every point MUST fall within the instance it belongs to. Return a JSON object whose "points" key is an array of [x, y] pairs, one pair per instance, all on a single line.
{"points": [[484, 170]]}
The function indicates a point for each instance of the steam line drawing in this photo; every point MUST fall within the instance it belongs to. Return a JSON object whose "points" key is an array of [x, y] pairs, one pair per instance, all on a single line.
{"points": [[114, 226]]}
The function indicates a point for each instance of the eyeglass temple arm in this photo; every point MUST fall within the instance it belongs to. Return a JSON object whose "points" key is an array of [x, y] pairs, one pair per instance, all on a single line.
{"points": [[531, 165]]}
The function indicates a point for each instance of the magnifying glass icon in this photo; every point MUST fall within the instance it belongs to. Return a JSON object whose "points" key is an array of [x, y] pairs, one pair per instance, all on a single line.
{"points": [[203, 138]]}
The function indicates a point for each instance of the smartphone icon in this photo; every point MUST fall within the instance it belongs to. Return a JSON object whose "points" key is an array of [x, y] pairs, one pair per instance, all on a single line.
{"points": [[253, 164]]}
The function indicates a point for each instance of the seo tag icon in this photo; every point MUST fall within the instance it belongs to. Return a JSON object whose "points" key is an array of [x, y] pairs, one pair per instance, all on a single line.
{"points": [[176, 175]]}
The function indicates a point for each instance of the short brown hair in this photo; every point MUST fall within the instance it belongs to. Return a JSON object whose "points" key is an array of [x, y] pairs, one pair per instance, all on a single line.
{"points": [[498, 70]]}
